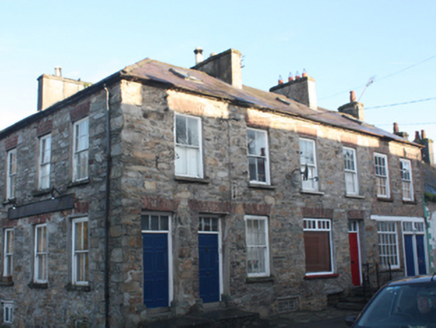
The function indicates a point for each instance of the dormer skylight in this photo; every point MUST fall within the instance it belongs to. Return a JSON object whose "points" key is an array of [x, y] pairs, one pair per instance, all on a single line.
{"points": [[185, 75]]}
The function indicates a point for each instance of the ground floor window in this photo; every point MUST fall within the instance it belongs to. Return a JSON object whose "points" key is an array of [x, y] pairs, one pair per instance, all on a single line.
{"points": [[317, 246], [256, 228], [388, 244], [80, 251], [8, 311]]}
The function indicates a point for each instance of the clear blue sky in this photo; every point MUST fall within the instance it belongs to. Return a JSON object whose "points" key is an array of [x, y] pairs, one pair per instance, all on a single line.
{"points": [[340, 43]]}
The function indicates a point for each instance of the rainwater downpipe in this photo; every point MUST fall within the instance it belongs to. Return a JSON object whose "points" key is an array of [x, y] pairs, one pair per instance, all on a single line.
{"points": [[106, 219]]}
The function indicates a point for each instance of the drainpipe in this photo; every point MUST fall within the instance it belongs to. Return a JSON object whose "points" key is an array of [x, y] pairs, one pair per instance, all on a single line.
{"points": [[106, 219]]}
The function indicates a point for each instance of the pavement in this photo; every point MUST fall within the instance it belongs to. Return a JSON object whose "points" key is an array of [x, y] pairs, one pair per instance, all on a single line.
{"points": [[329, 318]]}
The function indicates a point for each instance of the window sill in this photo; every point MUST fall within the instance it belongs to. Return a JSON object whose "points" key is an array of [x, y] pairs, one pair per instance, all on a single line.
{"points": [[10, 201], [78, 183], [354, 196], [321, 276], [386, 200], [259, 280], [192, 179], [37, 285], [312, 192], [410, 202], [261, 186], [6, 281], [40, 192], [79, 288]]}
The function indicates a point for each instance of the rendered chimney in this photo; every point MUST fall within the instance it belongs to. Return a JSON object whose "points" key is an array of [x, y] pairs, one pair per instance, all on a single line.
{"points": [[54, 88], [198, 55], [353, 108], [302, 89], [427, 151], [225, 66]]}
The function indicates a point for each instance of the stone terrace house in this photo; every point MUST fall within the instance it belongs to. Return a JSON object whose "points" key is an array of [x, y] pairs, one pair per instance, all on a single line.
{"points": [[160, 190]]}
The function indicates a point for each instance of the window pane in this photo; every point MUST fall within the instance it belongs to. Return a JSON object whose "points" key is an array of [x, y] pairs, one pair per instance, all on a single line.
{"points": [[164, 222], [193, 137], [181, 133], [79, 236], [154, 222]]}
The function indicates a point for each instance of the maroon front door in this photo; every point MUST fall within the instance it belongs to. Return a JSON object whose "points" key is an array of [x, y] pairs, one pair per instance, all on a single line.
{"points": [[354, 257]]}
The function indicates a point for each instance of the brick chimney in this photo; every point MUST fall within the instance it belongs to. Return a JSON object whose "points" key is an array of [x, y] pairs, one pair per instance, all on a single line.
{"points": [[225, 66], [427, 151], [353, 108], [54, 88], [301, 89], [404, 135]]}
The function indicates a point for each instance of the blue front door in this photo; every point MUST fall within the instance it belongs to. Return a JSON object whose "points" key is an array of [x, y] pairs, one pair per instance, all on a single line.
{"points": [[155, 259], [415, 254], [421, 254], [209, 267]]}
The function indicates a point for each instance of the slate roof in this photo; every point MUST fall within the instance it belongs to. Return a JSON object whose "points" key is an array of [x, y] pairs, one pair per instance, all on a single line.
{"points": [[191, 80], [202, 83]]}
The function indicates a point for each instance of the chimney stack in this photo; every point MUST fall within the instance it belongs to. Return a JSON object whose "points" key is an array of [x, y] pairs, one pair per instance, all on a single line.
{"points": [[302, 89], [353, 108], [225, 66], [427, 151], [403, 135], [54, 88], [198, 55]]}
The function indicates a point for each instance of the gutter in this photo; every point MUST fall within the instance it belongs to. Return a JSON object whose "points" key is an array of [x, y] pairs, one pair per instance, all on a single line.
{"points": [[107, 208]]}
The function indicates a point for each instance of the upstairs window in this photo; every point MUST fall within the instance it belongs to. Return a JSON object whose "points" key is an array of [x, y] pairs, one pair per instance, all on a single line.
{"points": [[188, 150], [308, 165], [406, 179], [80, 265], [44, 162], [8, 252], [11, 180], [41, 252], [350, 168], [81, 146], [381, 175], [256, 229], [257, 144]]}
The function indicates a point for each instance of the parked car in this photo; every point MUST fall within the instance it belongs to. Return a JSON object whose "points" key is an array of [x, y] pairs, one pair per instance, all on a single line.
{"points": [[406, 302]]}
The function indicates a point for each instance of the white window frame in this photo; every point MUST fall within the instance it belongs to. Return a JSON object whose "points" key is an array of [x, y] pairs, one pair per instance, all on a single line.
{"points": [[8, 260], [11, 180], [258, 157], [81, 154], [41, 255], [380, 177], [188, 165], [320, 225], [312, 183], [351, 176], [263, 249], [76, 253], [44, 161], [388, 244], [406, 181], [8, 312]]}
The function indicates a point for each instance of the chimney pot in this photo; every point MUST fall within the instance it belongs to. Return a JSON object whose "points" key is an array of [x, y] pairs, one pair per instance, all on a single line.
{"points": [[198, 55], [280, 79], [58, 71], [417, 138], [352, 96], [396, 128], [290, 77], [297, 75], [304, 72], [423, 136]]}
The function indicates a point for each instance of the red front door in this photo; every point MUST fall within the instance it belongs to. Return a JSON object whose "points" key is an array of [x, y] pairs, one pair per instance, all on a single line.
{"points": [[354, 257]]}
